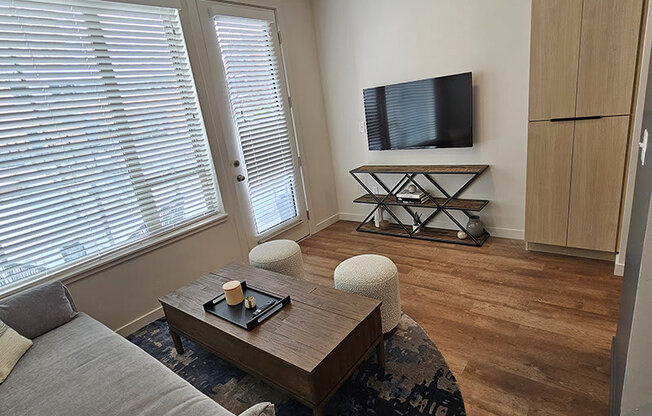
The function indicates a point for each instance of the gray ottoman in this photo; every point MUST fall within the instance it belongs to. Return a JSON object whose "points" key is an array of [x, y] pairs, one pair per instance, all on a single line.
{"points": [[280, 256], [376, 277]]}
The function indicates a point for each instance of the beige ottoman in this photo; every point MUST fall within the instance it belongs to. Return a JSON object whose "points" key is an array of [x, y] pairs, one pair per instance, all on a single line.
{"points": [[280, 256], [376, 277]]}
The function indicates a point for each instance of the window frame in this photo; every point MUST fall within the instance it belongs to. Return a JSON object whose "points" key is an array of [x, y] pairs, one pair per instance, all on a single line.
{"points": [[121, 254]]}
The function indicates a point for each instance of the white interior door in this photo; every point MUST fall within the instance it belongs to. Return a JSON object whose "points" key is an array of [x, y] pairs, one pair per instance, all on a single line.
{"points": [[245, 56]]}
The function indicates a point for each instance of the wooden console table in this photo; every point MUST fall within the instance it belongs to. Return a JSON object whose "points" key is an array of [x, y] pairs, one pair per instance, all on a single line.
{"points": [[439, 204]]}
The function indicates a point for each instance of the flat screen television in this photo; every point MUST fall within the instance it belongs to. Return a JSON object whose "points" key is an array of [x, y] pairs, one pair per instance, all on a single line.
{"points": [[430, 113]]}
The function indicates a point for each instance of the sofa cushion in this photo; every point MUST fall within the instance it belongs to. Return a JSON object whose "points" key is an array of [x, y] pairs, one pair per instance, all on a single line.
{"points": [[84, 368], [12, 347], [36, 311]]}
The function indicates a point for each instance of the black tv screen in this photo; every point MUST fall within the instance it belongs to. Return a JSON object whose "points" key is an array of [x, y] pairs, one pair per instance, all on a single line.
{"points": [[430, 113]]}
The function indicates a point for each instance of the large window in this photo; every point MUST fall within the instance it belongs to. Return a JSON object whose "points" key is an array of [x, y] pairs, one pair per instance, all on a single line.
{"points": [[102, 142]]}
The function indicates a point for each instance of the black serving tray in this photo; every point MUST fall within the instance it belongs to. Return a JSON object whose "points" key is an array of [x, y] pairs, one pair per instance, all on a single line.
{"points": [[266, 305]]}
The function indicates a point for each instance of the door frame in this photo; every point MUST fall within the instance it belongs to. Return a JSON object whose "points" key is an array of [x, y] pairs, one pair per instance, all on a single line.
{"points": [[645, 52], [217, 98]]}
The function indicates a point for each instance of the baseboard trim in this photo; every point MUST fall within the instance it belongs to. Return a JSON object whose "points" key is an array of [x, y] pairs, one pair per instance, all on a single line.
{"points": [[501, 232], [619, 269], [512, 233], [619, 266], [570, 251], [325, 223], [347, 216], [138, 323]]}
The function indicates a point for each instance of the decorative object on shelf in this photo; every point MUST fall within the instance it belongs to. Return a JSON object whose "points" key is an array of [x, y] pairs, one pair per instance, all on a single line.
{"points": [[440, 201], [233, 292], [475, 227], [410, 194], [416, 221], [378, 217], [250, 302], [461, 235]]}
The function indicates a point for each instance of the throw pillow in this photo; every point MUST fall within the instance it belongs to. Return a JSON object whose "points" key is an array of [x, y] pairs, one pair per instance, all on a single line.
{"points": [[12, 347], [36, 311]]}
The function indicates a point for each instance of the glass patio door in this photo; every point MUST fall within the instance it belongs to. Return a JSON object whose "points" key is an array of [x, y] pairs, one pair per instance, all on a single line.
{"points": [[246, 56]]}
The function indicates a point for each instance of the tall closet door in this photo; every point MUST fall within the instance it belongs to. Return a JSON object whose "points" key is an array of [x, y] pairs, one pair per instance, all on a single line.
{"points": [[555, 43], [597, 180], [550, 149], [609, 46]]}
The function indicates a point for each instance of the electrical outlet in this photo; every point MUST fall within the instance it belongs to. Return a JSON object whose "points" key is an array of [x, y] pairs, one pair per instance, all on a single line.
{"points": [[361, 127]]}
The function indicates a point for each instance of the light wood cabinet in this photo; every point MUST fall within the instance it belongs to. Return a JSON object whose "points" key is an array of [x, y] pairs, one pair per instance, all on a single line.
{"points": [[575, 174], [554, 56], [583, 57], [608, 52], [582, 73], [550, 149], [599, 151]]}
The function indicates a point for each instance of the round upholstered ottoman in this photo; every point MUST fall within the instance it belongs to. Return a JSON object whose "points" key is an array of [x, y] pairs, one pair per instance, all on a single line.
{"points": [[280, 256], [376, 277]]}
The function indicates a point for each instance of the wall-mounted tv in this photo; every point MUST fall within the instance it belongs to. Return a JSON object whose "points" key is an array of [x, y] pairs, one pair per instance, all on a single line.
{"points": [[430, 113]]}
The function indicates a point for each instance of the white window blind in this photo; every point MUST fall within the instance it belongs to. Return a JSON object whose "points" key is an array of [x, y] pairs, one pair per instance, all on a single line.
{"points": [[102, 143], [251, 63]]}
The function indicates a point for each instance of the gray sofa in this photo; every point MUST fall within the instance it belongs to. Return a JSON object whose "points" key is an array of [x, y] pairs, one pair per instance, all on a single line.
{"points": [[81, 367]]}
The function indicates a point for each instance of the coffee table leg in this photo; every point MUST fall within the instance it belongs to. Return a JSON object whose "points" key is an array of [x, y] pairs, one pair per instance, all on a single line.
{"points": [[177, 341], [380, 353], [318, 411]]}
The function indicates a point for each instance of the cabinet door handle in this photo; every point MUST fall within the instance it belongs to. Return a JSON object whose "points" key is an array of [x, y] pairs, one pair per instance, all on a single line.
{"points": [[575, 118]]}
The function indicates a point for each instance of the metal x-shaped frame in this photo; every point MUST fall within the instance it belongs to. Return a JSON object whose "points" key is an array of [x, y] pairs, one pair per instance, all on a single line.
{"points": [[440, 207]]}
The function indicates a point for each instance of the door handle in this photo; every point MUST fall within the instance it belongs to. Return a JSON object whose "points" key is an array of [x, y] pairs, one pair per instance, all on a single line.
{"points": [[575, 118], [643, 146], [240, 178]]}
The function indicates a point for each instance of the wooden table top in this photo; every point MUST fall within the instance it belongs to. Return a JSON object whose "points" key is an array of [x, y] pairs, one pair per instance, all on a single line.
{"points": [[434, 169], [301, 334]]}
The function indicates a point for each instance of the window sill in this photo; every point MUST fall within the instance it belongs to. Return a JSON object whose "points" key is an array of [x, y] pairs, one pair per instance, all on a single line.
{"points": [[93, 266]]}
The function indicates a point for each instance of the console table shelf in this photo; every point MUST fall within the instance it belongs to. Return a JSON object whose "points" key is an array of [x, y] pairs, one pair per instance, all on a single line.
{"points": [[428, 169], [440, 204], [457, 204], [426, 233]]}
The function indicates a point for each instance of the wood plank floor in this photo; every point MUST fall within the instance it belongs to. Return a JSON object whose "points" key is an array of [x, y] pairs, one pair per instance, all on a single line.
{"points": [[524, 333]]}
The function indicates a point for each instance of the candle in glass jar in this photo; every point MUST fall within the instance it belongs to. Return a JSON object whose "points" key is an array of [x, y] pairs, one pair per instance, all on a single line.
{"points": [[233, 292]]}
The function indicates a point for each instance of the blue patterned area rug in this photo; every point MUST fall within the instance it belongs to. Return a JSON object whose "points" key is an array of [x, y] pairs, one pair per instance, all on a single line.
{"points": [[416, 379]]}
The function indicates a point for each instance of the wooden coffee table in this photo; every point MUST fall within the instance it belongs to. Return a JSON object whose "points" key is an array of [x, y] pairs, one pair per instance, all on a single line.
{"points": [[307, 349]]}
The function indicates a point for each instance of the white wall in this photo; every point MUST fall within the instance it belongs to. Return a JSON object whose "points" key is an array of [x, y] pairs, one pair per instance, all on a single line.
{"points": [[125, 297], [302, 65], [619, 267], [366, 43]]}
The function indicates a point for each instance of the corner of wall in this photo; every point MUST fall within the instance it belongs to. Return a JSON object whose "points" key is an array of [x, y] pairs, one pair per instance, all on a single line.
{"points": [[619, 265]]}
